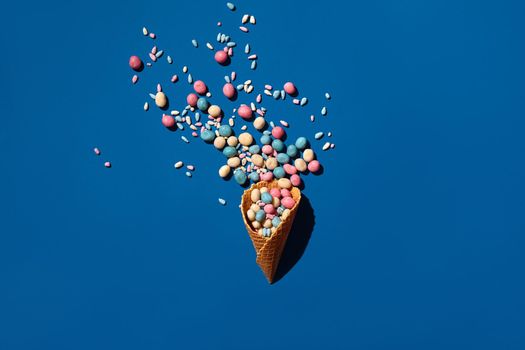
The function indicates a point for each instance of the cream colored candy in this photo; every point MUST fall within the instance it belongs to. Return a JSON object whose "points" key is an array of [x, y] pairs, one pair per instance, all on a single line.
{"points": [[258, 160], [161, 100], [284, 183], [308, 155], [273, 229], [285, 214], [264, 189], [276, 202], [214, 111], [271, 163], [219, 142], [245, 139], [267, 223], [224, 171], [300, 165], [256, 225], [255, 208], [250, 214], [260, 229], [259, 123], [232, 141], [255, 195], [234, 162]]}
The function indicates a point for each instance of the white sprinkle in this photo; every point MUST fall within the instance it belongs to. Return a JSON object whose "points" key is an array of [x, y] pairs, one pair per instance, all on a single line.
{"points": [[159, 53], [230, 6], [259, 98], [267, 92], [283, 94], [245, 19], [247, 49], [319, 135], [169, 59], [304, 101], [190, 79], [222, 201], [323, 111], [188, 174], [185, 69], [208, 94], [227, 79], [248, 82], [179, 164], [329, 134], [327, 96], [252, 19], [283, 123], [252, 57], [233, 75], [244, 127], [332, 145], [210, 46], [249, 89], [190, 167], [97, 151], [135, 79], [144, 31], [312, 118], [326, 146], [185, 139], [272, 124], [152, 95], [231, 122], [194, 43], [175, 112], [243, 29], [146, 106], [254, 65]]}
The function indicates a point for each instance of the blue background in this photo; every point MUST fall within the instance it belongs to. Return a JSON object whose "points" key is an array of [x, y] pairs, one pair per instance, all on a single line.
{"points": [[419, 233]]}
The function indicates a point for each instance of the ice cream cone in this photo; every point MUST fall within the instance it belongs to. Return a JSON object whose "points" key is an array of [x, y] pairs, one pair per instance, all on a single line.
{"points": [[269, 249]]}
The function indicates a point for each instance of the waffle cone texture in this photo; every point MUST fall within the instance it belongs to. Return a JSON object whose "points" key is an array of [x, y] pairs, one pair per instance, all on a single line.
{"points": [[269, 249]]}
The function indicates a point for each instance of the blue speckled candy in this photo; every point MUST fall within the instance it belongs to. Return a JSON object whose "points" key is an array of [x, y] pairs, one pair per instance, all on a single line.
{"points": [[266, 139], [240, 176], [260, 215], [254, 149], [229, 151], [278, 145], [203, 104], [283, 158], [225, 130], [301, 143], [280, 210], [207, 135], [279, 172], [266, 197], [267, 132], [276, 221], [254, 177], [291, 151]]}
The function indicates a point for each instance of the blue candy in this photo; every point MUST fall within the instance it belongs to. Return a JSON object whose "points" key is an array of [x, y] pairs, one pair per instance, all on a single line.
{"points": [[229, 151], [278, 145], [254, 149], [283, 158], [225, 130], [207, 135], [266, 197], [276, 221], [254, 177], [239, 176], [260, 215], [278, 172], [291, 151], [301, 143], [203, 104], [266, 139]]}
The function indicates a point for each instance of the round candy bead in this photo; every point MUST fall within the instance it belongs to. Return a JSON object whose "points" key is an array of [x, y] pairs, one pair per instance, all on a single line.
{"points": [[278, 145], [276, 202], [254, 177], [255, 195], [168, 121], [215, 111], [232, 141], [224, 171], [234, 162], [300, 164], [200, 87], [245, 139], [244, 112], [271, 163], [278, 172], [225, 130], [266, 139], [161, 100], [229, 90], [290, 88], [191, 99], [276, 221], [283, 158], [207, 135], [203, 104], [292, 151], [275, 192], [260, 215], [308, 155], [219, 142], [257, 160], [278, 132], [295, 180], [264, 189], [288, 202], [267, 149], [314, 166], [269, 209], [255, 207], [266, 197], [259, 123], [135, 63], [289, 169], [240, 176], [301, 143], [229, 151], [279, 210], [250, 214], [222, 58], [285, 214], [284, 183], [285, 193], [267, 176], [267, 224], [254, 149]]}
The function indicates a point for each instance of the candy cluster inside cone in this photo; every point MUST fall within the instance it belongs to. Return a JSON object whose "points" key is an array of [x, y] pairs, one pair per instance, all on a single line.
{"points": [[269, 249]]}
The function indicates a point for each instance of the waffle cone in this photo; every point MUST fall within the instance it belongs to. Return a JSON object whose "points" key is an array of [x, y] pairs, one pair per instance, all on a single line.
{"points": [[269, 249]]}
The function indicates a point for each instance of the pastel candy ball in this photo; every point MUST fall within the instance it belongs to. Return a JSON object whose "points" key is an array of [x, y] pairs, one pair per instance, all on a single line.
{"points": [[271, 163], [257, 160], [285, 193], [278, 172], [260, 215], [240, 176], [288, 202], [300, 164], [256, 225], [301, 143], [200, 87], [276, 221], [224, 171], [275, 192], [267, 149], [135, 63], [278, 132], [266, 139], [279, 210], [290, 88], [255, 207], [245, 139], [203, 104], [289, 169], [267, 176], [278, 145], [267, 224], [266, 197], [264, 189], [168, 121], [250, 214], [225, 130], [284, 183], [259, 123], [283, 158], [215, 111], [219, 142], [229, 90], [232, 141], [276, 202], [191, 99], [234, 162], [222, 57], [254, 177], [295, 180], [245, 112], [207, 135], [254, 149], [292, 151], [229, 151], [269, 209], [308, 155], [285, 214], [255, 195], [314, 166], [161, 100]]}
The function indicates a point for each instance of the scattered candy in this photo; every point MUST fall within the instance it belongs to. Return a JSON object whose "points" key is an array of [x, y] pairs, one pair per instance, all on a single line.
{"points": [[222, 201], [107, 164], [179, 164], [97, 151], [135, 63]]}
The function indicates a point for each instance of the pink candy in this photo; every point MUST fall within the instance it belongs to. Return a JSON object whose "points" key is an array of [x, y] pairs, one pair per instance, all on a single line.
{"points": [[228, 90], [285, 193], [290, 88], [200, 87], [288, 202], [222, 57], [191, 99], [267, 149], [314, 166], [289, 169], [245, 112], [267, 176], [278, 132], [135, 63], [275, 192], [97, 151], [269, 209], [107, 164], [168, 121], [295, 180]]}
